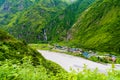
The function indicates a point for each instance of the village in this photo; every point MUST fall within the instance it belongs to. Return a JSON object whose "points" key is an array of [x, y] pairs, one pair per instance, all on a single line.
{"points": [[88, 54]]}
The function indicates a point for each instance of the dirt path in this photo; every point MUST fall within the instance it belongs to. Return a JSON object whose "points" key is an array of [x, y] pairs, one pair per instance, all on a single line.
{"points": [[68, 61]]}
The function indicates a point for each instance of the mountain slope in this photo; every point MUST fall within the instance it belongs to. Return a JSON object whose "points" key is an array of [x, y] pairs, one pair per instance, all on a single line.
{"points": [[13, 6], [63, 22], [29, 24], [8, 8], [99, 27], [15, 53]]}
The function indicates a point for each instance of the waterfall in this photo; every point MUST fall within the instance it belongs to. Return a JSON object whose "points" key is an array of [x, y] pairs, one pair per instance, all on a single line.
{"points": [[45, 35]]}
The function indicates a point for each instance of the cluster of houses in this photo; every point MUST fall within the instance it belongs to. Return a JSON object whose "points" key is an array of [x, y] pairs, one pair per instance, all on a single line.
{"points": [[86, 54]]}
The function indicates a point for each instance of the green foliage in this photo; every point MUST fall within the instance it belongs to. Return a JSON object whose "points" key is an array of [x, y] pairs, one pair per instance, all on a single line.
{"points": [[98, 27], [19, 62], [12, 49], [41, 46], [26, 71], [9, 8], [93, 58], [65, 20], [28, 24], [5, 36], [118, 60], [39, 15]]}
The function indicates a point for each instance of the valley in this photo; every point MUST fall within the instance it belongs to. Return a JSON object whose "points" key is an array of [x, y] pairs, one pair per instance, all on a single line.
{"points": [[69, 62], [33, 33]]}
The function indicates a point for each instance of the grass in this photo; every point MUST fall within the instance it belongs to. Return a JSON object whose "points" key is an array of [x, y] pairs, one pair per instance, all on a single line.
{"points": [[41, 46]]}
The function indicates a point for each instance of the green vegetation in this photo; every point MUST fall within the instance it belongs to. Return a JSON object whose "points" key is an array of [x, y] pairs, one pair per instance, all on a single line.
{"points": [[9, 8], [88, 24], [41, 46], [14, 52], [26, 71], [85, 23], [98, 28], [52, 16], [28, 24], [65, 20], [19, 62]]}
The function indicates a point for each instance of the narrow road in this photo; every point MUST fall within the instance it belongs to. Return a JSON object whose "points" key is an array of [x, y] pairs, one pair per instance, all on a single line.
{"points": [[76, 63]]}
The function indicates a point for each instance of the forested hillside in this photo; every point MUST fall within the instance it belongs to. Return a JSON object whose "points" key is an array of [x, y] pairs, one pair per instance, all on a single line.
{"points": [[84, 27], [8, 8], [85, 23], [99, 27], [29, 24], [17, 57], [45, 19], [58, 27]]}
